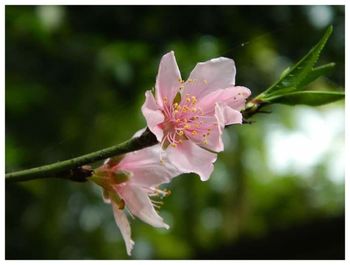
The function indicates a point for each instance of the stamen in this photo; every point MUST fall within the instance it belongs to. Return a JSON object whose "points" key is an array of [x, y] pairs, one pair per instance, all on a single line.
{"points": [[194, 100]]}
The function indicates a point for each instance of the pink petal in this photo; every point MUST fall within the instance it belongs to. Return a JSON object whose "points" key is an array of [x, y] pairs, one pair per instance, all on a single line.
{"points": [[105, 196], [124, 227], [214, 141], [218, 73], [168, 79], [189, 157], [234, 97], [153, 115], [147, 168], [227, 115], [139, 204], [139, 132]]}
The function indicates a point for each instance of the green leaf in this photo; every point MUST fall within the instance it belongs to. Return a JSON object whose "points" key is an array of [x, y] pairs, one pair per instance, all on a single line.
{"points": [[311, 98], [293, 77], [316, 73]]}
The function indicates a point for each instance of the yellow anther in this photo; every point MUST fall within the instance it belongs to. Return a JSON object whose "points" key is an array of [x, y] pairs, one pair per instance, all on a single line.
{"points": [[205, 81], [190, 80], [180, 133], [188, 99], [194, 132], [173, 145], [180, 80], [205, 141], [175, 105], [187, 126], [165, 99], [194, 109], [184, 109], [178, 120], [180, 141]]}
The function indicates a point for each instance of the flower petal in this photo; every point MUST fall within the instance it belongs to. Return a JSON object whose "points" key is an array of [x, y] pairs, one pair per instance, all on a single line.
{"points": [[153, 115], [234, 97], [147, 168], [139, 132], [213, 138], [189, 157], [218, 73], [168, 79], [139, 204], [227, 115], [124, 227]]}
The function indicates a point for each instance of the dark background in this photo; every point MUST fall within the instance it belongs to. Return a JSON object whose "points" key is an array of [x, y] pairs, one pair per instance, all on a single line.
{"points": [[75, 82]]}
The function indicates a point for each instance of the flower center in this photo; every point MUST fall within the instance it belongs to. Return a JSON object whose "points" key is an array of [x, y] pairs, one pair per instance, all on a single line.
{"points": [[184, 119]]}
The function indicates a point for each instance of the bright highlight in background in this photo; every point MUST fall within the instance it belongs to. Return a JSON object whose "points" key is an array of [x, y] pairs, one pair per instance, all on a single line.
{"points": [[318, 136]]}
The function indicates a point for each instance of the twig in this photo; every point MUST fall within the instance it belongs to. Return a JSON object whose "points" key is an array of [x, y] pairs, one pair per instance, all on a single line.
{"points": [[76, 169], [73, 169]]}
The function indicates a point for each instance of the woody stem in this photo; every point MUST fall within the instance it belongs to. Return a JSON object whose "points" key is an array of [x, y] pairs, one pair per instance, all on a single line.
{"points": [[75, 168]]}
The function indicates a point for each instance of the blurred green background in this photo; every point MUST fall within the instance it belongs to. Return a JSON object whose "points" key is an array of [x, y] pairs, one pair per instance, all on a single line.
{"points": [[75, 82]]}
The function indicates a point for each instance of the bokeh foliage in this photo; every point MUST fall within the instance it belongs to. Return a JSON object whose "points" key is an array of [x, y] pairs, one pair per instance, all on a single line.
{"points": [[75, 82]]}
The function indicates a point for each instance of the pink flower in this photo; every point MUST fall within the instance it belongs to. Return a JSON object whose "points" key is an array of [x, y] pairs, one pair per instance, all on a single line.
{"points": [[128, 182], [188, 117]]}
